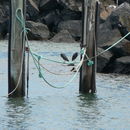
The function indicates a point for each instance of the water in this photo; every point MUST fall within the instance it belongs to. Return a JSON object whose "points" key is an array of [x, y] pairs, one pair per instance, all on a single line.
{"points": [[64, 109]]}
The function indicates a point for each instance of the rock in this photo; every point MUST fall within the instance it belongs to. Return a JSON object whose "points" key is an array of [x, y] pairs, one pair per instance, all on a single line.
{"points": [[57, 13], [126, 47], [106, 33], [106, 7], [32, 10], [107, 11], [4, 10], [48, 5], [63, 36], [74, 27], [75, 5], [52, 20], [122, 1], [68, 14], [122, 65], [109, 30], [119, 50], [38, 31], [107, 2], [4, 29], [123, 12], [103, 60]]}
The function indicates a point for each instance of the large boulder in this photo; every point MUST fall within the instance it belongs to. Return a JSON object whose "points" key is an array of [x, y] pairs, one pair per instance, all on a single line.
{"points": [[122, 1], [106, 33], [74, 27], [4, 29], [38, 31], [123, 12], [119, 50], [68, 14], [48, 5], [75, 5], [126, 47], [63, 36], [4, 10], [109, 30], [106, 11], [122, 65], [32, 10], [103, 59], [52, 19], [54, 11]]}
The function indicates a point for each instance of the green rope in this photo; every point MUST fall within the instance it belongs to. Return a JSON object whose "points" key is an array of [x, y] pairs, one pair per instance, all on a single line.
{"points": [[121, 39], [22, 21], [37, 62], [60, 62]]}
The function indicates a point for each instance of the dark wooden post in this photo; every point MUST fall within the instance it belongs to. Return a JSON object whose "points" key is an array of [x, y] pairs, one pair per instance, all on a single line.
{"points": [[88, 73], [16, 58]]}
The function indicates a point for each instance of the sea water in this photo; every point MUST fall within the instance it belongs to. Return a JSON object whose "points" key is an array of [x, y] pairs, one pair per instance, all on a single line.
{"points": [[49, 108]]}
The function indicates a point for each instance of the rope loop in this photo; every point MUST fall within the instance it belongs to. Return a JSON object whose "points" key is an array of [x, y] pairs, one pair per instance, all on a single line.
{"points": [[22, 21]]}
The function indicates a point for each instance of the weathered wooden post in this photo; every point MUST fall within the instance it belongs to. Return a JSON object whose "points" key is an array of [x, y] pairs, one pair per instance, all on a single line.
{"points": [[16, 62], [117, 2], [88, 71]]}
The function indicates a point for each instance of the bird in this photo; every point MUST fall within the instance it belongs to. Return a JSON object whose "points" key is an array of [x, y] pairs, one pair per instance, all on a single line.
{"points": [[73, 69], [64, 57], [71, 64], [123, 31], [74, 56]]}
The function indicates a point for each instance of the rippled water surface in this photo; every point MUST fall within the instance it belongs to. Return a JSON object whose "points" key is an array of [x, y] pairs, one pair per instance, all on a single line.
{"points": [[63, 109]]}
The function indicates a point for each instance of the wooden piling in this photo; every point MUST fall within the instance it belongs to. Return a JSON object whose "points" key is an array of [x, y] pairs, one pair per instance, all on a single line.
{"points": [[16, 57], [89, 23]]}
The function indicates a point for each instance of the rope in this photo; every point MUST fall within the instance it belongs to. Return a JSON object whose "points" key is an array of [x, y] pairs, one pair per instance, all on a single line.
{"points": [[37, 64], [90, 62], [22, 21], [67, 63], [60, 87], [53, 72], [83, 51], [37, 61]]}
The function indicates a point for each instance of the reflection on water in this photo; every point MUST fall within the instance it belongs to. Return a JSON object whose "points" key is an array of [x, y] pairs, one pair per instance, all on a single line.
{"points": [[17, 113], [65, 109], [88, 110]]}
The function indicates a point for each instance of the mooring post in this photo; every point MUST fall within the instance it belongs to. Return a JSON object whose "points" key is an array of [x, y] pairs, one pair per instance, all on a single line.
{"points": [[16, 57], [88, 69]]}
